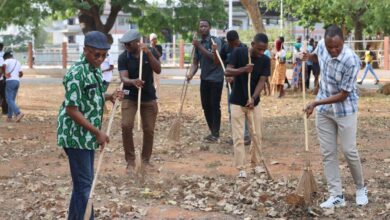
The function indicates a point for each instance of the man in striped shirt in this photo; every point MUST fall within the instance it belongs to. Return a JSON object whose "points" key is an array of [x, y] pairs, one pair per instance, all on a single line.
{"points": [[336, 116]]}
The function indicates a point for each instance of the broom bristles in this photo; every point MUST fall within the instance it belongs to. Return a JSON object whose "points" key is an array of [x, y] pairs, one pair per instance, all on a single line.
{"points": [[174, 132], [307, 185]]}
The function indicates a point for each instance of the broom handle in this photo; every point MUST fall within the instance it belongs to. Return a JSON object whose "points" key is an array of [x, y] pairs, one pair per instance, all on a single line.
{"points": [[88, 209], [185, 85], [141, 56], [304, 98], [249, 90], [223, 67]]}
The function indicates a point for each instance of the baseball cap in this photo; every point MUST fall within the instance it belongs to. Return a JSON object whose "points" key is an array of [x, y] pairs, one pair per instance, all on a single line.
{"points": [[96, 39], [152, 36], [130, 36]]}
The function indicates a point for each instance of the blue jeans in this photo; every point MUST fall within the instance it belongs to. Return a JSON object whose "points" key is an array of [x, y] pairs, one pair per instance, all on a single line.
{"points": [[369, 68], [81, 169], [11, 90]]}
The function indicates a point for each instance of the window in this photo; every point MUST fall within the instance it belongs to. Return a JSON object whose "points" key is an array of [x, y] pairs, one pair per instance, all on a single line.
{"points": [[71, 39]]}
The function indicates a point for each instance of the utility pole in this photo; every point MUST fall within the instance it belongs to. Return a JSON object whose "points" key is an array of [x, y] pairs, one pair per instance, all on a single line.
{"points": [[230, 15], [281, 17]]}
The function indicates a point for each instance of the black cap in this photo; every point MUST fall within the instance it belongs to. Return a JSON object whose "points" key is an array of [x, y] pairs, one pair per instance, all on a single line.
{"points": [[8, 54], [96, 39]]}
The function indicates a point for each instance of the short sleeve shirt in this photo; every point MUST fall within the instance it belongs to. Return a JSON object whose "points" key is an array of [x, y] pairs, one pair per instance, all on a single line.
{"points": [[13, 67], [338, 74], [226, 52], [209, 70], [262, 67], [107, 75], [84, 89], [129, 62]]}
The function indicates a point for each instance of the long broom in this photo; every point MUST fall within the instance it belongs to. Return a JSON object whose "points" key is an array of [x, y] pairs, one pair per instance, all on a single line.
{"points": [[174, 132], [255, 135], [88, 209], [307, 184]]}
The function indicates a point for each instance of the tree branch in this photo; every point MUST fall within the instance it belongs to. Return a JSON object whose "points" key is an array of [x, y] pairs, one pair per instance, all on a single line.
{"points": [[115, 9]]}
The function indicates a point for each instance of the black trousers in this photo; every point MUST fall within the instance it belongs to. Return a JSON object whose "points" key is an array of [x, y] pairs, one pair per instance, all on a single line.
{"points": [[309, 70], [3, 101], [210, 94]]}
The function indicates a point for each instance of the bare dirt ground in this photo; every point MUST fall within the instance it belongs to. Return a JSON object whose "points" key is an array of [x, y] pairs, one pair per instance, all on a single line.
{"points": [[193, 179]]}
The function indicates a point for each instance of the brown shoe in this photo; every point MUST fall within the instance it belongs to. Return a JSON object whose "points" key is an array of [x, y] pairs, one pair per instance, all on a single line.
{"points": [[9, 119], [19, 117]]}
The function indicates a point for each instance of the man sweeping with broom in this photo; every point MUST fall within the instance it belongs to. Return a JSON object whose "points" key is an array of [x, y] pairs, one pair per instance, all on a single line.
{"points": [[241, 108], [80, 118], [336, 117], [128, 66]]}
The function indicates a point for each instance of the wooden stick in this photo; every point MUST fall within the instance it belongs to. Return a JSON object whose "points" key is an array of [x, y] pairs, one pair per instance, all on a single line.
{"points": [[304, 98], [257, 139], [139, 89], [88, 209], [223, 67]]}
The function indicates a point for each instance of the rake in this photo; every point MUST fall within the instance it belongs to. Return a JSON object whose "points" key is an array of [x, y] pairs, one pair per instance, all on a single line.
{"points": [[88, 209], [255, 135], [307, 184]]}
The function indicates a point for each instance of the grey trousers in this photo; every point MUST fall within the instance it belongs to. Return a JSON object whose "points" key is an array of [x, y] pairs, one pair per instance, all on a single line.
{"points": [[330, 128]]}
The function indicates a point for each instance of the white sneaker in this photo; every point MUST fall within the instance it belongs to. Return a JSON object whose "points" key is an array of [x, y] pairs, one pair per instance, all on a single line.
{"points": [[333, 201], [259, 169], [361, 196], [242, 174]]}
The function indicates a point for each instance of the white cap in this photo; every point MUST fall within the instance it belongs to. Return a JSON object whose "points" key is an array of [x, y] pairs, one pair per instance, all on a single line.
{"points": [[152, 36]]}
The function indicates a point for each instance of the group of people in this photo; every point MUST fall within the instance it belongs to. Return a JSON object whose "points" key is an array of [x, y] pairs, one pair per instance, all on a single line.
{"points": [[247, 69], [10, 74]]}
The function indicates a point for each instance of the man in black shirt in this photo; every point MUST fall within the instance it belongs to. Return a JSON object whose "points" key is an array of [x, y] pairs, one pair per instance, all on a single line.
{"points": [[128, 66], [242, 107], [211, 76], [233, 41]]}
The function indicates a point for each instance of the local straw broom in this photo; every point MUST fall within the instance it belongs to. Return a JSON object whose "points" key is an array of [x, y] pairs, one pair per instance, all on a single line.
{"points": [[88, 209], [307, 184], [174, 132], [255, 135]]}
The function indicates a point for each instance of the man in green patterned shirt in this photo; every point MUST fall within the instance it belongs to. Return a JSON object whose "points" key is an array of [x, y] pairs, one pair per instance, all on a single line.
{"points": [[80, 118]]}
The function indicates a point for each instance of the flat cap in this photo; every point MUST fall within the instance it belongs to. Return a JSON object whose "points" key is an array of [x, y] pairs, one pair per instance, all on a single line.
{"points": [[130, 36], [96, 39]]}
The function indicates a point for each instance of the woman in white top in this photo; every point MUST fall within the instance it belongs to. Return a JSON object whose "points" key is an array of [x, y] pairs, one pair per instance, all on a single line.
{"points": [[13, 72]]}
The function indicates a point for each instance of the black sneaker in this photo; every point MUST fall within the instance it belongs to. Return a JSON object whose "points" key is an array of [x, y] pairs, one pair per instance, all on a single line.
{"points": [[211, 138], [376, 82], [360, 82], [247, 140]]}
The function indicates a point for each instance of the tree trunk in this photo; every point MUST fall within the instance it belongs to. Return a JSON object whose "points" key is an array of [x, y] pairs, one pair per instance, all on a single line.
{"points": [[91, 20], [252, 7]]}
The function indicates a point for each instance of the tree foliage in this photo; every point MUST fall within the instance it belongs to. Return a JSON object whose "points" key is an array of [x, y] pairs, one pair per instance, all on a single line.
{"points": [[179, 17], [358, 15]]}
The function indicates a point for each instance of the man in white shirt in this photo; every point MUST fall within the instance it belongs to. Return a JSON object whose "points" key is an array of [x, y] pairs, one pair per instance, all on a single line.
{"points": [[13, 72], [3, 102], [107, 67]]}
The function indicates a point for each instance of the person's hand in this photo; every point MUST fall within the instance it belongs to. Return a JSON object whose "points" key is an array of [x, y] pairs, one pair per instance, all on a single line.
{"points": [[250, 103], [229, 79], [309, 109], [304, 56], [189, 77], [195, 43], [102, 139], [138, 83], [144, 48], [214, 47], [118, 94], [248, 68]]}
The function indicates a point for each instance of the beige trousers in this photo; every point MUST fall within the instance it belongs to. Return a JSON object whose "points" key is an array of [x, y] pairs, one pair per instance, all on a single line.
{"points": [[329, 129], [239, 114]]}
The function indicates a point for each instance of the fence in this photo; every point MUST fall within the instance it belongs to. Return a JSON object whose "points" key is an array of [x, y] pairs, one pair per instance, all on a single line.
{"points": [[174, 55]]}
